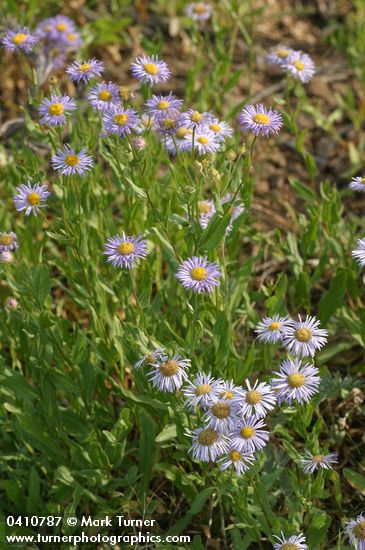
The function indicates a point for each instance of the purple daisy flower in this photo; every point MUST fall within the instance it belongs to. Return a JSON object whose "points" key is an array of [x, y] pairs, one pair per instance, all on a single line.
{"points": [[208, 444], [236, 210], [104, 95], [166, 106], [31, 199], [203, 392], [357, 184], [303, 337], [220, 129], [359, 252], [355, 530], [178, 140], [20, 40], [150, 70], [55, 28], [155, 356], [123, 251], [231, 391], [296, 542], [248, 435], [295, 382], [8, 241], [85, 71], [120, 121], [199, 11], [300, 66], [279, 54], [311, 462], [222, 416], [169, 375], [53, 111], [203, 140], [270, 329], [257, 400], [206, 212], [166, 125], [260, 120], [198, 274], [59, 33], [195, 119], [241, 461], [69, 163]]}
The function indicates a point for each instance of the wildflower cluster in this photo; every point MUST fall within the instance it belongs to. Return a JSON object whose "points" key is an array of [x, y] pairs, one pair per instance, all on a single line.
{"points": [[296, 63], [232, 418]]}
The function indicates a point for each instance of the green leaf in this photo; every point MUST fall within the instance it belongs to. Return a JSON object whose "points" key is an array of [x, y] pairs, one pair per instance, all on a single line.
{"points": [[169, 432], [355, 479], [215, 230], [302, 190], [333, 298]]}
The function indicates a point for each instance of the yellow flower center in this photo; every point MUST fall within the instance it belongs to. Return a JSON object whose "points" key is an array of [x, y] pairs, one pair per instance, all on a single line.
{"points": [[207, 437], [359, 530], [203, 389], [182, 132], [198, 273], [303, 334], [253, 397], [204, 207], [151, 68], [163, 105], [169, 368], [296, 380], [56, 109], [71, 37], [72, 160], [104, 95], [151, 358], [274, 326], [247, 432], [196, 116], [6, 239], [19, 38], [203, 140], [120, 119], [33, 199], [126, 248], [235, 456], [215, 127], [200, 9], [84, 67], [61, 27], [298, 65], [261, 118], [318, 458], [228, 395], [282, 53], [169, 123], [289, 546], [221, 410]]}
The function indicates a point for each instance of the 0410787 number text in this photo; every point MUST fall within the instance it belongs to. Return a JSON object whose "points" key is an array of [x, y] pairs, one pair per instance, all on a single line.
{"points": [[33, 521]]}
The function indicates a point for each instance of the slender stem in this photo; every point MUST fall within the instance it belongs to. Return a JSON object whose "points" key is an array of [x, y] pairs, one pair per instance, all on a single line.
{"points": [[141, 313], [195, 320]]}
